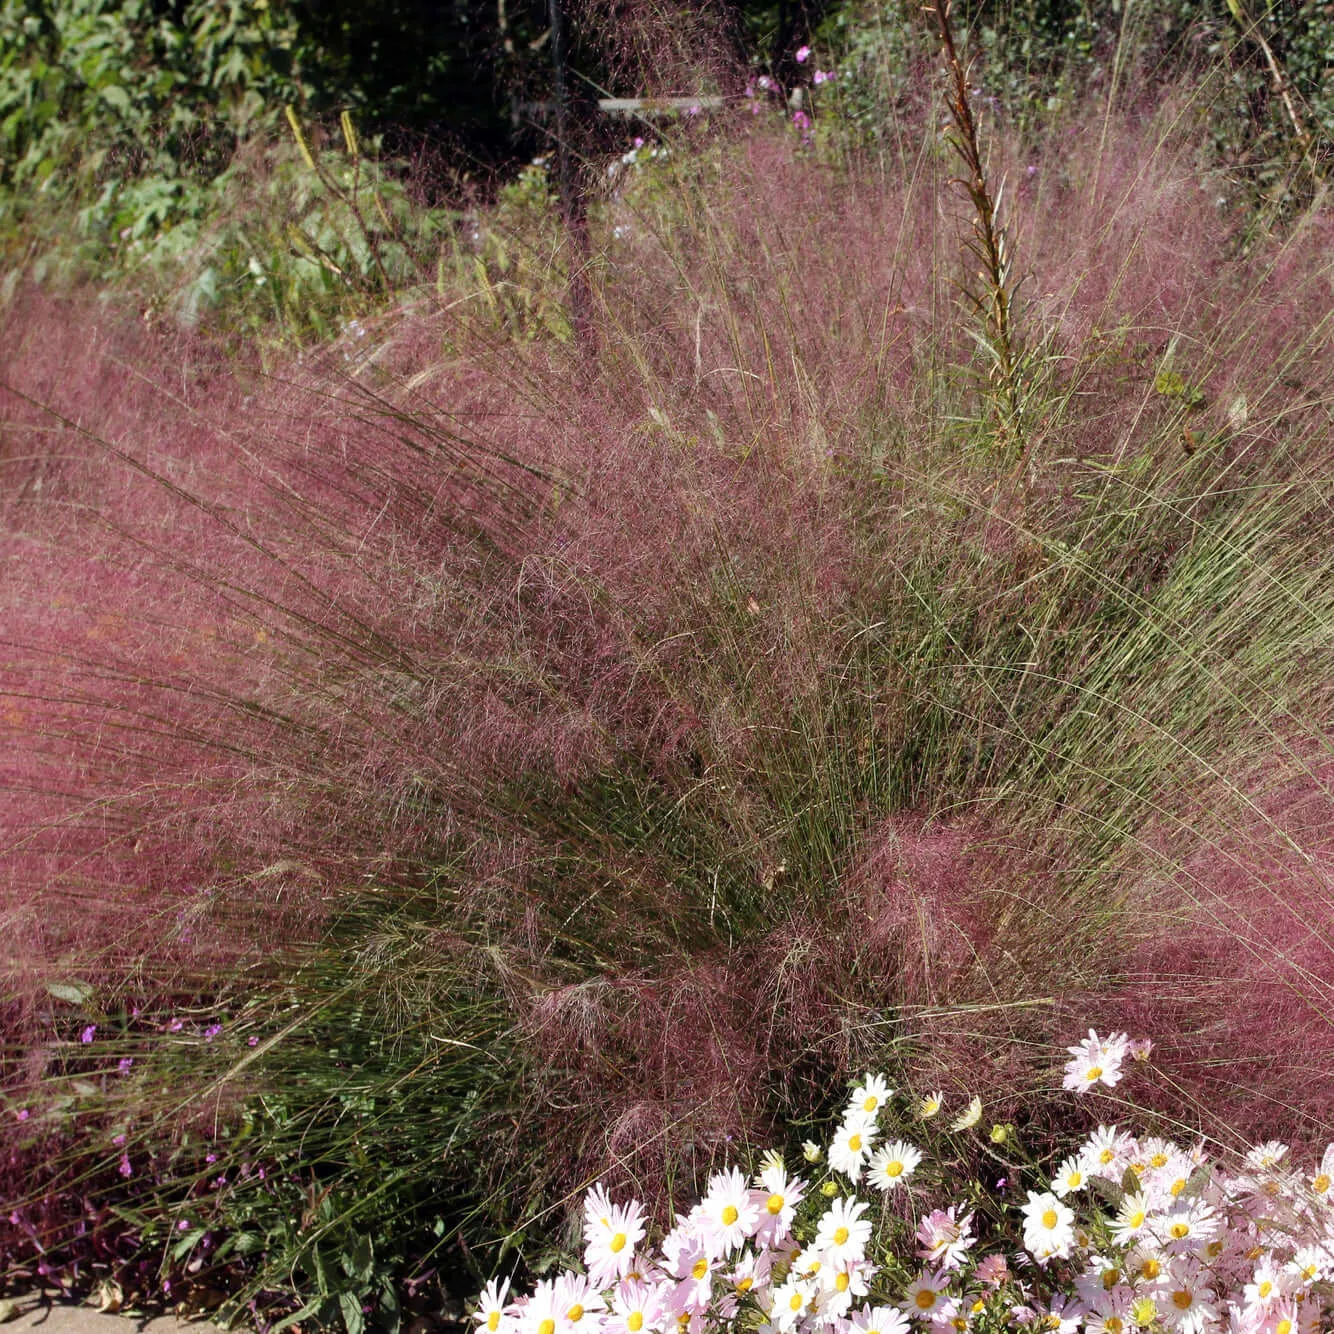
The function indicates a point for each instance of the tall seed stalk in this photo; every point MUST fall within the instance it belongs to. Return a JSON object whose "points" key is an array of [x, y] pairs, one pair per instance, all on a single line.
{"points": [[992, 296]]}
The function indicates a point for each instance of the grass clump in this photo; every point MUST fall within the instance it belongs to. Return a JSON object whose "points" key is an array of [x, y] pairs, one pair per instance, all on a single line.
{"points": [[546, 763]]}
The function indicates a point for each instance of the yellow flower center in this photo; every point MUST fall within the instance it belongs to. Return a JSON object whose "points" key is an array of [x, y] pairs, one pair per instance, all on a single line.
{"points": [[1106, 1157], [870, 1104], [745, 1284], [1074, 1180], [700, 1268], [635, 1322], [979, 1306], [1049, 1218], [1158, 1160], [575, 1314], [1144, 1312], [1265, 1288], [1052, 1321], [1137, 1218], [1110, 1278], [774, 1204], [894, 1168], [618, 1243], [1182, 1299], [1180, 1230], [1094, 1072], [1321, 1184], [1150, 1268], [855, 1143], [730, 1215], [1214, 1249], [1284, 1326], [548, 1326], [1178, 1185], [1113, 1324], [925, 1299], [493, 1321], [842, 1281], [794, 1302], [959, 1323], [840, 1236]]}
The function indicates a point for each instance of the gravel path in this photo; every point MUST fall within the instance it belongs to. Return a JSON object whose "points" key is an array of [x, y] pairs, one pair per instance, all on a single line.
{"points": [[32, 1316]]}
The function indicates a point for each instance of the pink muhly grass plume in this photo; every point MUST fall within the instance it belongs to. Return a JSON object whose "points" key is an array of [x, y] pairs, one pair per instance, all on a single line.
{"points": [[740, 714]]}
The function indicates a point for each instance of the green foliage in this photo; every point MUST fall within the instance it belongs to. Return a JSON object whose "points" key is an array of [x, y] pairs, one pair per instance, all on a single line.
{"points": [[94, 89], [1035, 58]]}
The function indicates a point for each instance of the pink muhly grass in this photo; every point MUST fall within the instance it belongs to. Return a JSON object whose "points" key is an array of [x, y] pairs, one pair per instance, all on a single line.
{"points": [[731, 703]]}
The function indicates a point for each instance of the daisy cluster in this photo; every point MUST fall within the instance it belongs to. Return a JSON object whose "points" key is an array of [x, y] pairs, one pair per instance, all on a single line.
{"points": [[1127, 1234]]}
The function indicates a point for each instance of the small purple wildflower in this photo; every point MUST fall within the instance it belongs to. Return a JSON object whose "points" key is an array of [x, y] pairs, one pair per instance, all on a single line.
{"points": [[801, 120], [125, 1169], [88, 1033], [803, 54], [124, 1064], [252, 1041], [175, 1026], [118, 1139], [23, 1113], [212, 1031], [183, 1225]]}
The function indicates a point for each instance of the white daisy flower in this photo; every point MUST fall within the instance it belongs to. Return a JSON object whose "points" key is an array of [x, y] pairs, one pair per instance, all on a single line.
{"points": [[1267, 1156], [728, 1213], [851, 1146], [1048, 1227], [776, 1200], [610, 1242], [1131, 1218], [926, 1295], [969, 1117], [870, 1095], [490, 1314], [843, 1233], [1070, 1177], [1185, 1301], [1095, 1061], [791, 1298], [1106, 1153], [891, 1166], [878, 1320]]}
